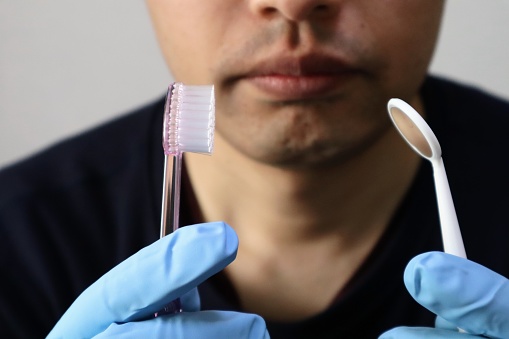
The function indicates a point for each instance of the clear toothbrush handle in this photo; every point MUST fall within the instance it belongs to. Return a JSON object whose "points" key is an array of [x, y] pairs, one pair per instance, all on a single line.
{"points": [[171, 195], [167, 179], [170, 213]]}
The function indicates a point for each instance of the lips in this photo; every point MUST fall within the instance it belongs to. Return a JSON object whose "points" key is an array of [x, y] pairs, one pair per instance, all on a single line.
{"points": [[300, 78]]}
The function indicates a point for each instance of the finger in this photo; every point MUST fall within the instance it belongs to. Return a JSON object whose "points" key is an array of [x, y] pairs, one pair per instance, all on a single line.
{"points": [[196, 325], [467, 294], [444, 324], [190, 301], [424, 333], [146, 281]]}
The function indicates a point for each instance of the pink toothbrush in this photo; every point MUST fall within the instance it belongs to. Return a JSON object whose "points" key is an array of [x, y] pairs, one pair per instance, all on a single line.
{"points": [[188, 126]]}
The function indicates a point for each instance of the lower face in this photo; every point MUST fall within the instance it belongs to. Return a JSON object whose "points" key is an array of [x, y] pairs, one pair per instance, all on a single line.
{"points": [[300, 92]]}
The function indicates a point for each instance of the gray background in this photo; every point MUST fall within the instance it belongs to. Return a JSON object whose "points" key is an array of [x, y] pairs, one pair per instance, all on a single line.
{"points": [[69, 65]]}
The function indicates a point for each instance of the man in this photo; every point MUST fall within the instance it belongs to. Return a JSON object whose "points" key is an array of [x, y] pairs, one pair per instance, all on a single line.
{"points": [[328, 203]]}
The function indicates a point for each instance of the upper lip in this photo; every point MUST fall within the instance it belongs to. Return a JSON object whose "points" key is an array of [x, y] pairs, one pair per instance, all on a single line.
{"points": [[304, 65]]}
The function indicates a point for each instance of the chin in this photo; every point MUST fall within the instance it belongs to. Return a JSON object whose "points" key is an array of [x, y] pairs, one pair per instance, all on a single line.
{"points": [[321, 154]]}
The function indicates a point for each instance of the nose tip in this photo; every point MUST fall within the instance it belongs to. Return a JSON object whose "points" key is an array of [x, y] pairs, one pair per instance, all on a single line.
{"points": [[292, 10]]}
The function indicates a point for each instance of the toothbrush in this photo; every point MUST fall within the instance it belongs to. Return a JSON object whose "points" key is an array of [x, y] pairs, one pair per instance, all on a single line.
{"points": [[188, 126]]}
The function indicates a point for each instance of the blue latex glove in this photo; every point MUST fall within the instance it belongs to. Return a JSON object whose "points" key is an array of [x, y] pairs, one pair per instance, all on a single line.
{"points": [[462, 293], [117, 304]]}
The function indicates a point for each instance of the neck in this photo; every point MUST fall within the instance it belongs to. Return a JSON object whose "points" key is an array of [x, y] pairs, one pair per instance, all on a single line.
{"points": [[301, 230]]}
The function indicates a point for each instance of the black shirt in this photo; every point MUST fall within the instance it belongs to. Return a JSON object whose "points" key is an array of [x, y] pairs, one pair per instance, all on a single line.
{"points": [[75, 210]]}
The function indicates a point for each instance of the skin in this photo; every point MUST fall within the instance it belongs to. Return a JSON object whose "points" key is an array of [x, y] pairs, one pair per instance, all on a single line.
{"points": [[301, 151]]}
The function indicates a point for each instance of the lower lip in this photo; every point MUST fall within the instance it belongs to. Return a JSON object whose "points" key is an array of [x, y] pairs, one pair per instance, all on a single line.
{"points": [[292, 88]]}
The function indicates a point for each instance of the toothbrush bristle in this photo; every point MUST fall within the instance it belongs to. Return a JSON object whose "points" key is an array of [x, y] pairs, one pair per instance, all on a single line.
{"points": [[189, 119]]}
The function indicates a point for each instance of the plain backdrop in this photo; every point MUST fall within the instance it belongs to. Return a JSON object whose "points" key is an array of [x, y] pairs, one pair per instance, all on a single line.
{"points": [[66, 66]]}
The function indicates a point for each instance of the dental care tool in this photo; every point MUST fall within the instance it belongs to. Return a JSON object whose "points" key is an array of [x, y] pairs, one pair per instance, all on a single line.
{"points": [[417, 133], [188, 126]]}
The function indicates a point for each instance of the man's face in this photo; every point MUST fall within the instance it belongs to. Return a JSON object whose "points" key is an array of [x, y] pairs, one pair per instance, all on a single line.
{"points": [[300, 82]]}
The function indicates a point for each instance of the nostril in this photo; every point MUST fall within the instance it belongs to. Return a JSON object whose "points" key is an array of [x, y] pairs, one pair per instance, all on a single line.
{"points": [[268, 11], [292, 10]]}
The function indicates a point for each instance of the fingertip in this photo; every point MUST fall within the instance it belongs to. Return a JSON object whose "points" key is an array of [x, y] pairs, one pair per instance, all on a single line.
{"points": [[444, 324], [258, 328], [412, 276], [232, 240], [420, 266], [397, 332], [221, 229], [191, 301]]}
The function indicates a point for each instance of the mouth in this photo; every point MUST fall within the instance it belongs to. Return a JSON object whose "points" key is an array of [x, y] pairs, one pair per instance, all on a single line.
{"points": [[299, 78]]}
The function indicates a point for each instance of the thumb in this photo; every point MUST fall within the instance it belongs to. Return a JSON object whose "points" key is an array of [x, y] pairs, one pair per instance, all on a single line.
{"points": [[152, 277], [460, 291]]}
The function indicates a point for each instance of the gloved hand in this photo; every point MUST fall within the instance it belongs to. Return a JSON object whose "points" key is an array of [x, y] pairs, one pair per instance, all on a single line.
{"points": [[121, 302], [462, 293]]}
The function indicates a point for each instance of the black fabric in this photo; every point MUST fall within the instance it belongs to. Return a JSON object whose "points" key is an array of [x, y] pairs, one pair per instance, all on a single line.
{"points": [[72, 212]]}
